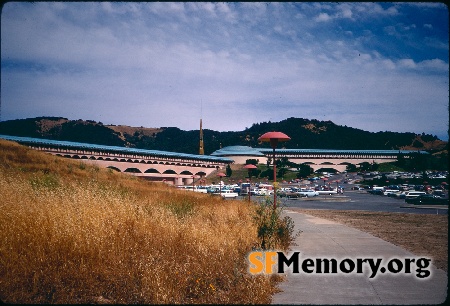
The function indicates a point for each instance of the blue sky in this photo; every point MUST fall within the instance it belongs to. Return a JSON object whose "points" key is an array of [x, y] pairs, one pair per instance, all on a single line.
{"points": [[372, 66]]}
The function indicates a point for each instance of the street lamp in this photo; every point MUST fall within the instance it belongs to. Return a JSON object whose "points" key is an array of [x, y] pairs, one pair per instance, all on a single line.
{"points": [[250, 167], [274, 138]]}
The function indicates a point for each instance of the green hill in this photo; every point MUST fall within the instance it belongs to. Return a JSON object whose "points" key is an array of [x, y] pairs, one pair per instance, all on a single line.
{"points": [[304, 133]]}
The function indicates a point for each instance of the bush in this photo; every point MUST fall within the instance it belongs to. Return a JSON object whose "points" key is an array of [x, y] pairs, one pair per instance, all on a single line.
{"points": [[274, 231]]}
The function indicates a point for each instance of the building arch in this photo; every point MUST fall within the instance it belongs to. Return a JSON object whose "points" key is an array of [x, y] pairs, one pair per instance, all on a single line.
{"points": [[326, 163], [186, 172], [133, 170], [152, 170], [169, 171]]}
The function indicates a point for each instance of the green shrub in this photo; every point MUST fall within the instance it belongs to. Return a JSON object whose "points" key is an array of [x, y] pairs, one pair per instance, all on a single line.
{"points": [[274, 231]]}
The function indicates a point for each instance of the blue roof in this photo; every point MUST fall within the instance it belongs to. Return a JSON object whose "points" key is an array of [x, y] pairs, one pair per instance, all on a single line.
{"points": [[79, 145], [333, 151], [249, 151], [237, 150]]}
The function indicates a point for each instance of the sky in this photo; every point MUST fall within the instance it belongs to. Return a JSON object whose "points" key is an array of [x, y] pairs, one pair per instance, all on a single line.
{"points": [[372, 66]]}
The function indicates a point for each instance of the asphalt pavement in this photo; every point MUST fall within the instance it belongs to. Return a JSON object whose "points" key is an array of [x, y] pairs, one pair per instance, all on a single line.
{"points": [[359, 200], [320, 238]]}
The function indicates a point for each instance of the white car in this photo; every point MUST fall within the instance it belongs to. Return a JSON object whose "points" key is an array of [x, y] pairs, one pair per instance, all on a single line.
{"points": [[227, 194], [329, 192], [414, 194], [389, 192], [264, 192], [308, 193]]}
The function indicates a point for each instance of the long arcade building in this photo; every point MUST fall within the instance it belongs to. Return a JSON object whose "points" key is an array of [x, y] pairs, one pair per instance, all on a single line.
{"points": [[183, 169], [171, 167], [315, 158]]}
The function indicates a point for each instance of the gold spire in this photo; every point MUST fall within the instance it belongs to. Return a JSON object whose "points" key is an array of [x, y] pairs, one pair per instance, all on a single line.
{"points": [[201, 151]]}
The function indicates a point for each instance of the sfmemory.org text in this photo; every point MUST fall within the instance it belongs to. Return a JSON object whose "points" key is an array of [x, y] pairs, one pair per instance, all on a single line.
{"points": [[276, 262]]}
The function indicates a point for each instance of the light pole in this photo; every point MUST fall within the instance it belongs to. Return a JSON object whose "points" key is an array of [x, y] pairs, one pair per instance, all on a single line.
{"points": [[220, 175], [250, 167], [274, 138]]}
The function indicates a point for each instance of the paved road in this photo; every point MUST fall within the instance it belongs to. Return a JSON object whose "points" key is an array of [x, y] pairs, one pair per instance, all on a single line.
{"points": [[326, 239], [360, 200]]}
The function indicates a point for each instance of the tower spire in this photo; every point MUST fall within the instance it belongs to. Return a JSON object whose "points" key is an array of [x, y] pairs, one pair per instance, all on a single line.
{"points": [[201, 151]]}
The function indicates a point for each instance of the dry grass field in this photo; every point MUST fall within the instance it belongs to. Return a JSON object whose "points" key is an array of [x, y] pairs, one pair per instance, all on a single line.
{"points": [[423, 235], [73, 233]]}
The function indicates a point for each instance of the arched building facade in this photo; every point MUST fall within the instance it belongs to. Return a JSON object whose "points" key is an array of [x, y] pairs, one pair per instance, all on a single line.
{"points": [[315, 158]]}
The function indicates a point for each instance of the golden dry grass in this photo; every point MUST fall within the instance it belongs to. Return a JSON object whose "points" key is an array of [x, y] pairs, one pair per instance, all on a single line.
{"points": [[73, 233], [423, 235]]}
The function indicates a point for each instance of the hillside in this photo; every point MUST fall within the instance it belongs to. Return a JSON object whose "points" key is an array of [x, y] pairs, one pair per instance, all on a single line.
{"points": [[72, 233], [304, 133]]}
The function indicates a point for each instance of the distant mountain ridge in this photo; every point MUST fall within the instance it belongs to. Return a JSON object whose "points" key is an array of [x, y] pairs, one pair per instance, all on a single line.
{"points": [[304, 133]]}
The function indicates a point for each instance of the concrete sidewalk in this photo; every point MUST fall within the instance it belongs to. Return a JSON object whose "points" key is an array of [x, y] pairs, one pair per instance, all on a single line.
{"points": [[322, 238]]}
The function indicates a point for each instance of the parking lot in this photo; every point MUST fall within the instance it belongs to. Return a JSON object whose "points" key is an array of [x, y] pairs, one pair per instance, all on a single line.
{"points": [[358, 200]]}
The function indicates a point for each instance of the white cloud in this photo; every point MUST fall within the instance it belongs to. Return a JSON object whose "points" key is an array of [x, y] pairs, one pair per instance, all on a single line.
{"points": [[407, 63], [435, 64], [322, 17], [152, 64]]}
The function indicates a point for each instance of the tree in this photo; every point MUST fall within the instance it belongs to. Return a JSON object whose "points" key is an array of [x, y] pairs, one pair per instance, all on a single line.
{"points": [[401, 163], [281, 172], [304, 171], [228, 170], [365, 166], [351, 168], [267, 173], [252, 162]]}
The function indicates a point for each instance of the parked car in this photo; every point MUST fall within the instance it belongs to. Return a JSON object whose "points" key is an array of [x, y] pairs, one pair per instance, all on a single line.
{"points": [[328, 192], [389, 192], [289, 194], [308, 193], [427, 199], [226, 194], [414, 194]]}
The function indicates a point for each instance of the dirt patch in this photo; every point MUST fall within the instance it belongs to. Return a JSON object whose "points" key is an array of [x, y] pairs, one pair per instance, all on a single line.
{"points": [[46, 125], [314, 129], [423, 235], [131, 130]]}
